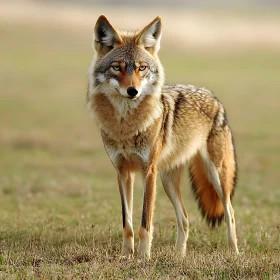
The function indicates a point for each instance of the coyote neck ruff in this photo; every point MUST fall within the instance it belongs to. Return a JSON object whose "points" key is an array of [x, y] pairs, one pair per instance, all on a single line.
{"points": [[149, 127]]}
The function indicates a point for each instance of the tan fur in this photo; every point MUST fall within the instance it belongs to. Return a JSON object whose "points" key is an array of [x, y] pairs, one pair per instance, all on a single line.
{"points": [[130, 80], [171, 183], [160, 129], [209, 201]]}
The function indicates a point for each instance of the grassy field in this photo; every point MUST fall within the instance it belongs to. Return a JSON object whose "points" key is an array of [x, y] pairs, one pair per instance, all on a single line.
{"points": [[60, 206]]}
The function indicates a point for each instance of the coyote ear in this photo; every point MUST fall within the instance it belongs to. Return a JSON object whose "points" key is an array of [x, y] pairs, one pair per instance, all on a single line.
{"points": [[106, 37], [150, 36]]}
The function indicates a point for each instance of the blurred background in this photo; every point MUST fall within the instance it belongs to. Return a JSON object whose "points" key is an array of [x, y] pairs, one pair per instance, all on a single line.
{"points": [[53, 168]]}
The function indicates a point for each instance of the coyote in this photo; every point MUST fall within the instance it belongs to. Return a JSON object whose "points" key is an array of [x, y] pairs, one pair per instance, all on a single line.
{"points": [[150, 127]]}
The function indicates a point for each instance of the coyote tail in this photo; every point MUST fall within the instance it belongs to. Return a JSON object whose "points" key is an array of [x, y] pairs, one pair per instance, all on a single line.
{"points": [[210, 204]]}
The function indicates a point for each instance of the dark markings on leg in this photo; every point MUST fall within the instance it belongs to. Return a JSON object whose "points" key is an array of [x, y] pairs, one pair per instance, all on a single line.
{"points": [[123, 211], [144, 215], [122, 200]]}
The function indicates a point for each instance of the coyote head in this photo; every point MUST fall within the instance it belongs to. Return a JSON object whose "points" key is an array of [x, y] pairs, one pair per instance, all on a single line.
{"points": [[126, 63]]}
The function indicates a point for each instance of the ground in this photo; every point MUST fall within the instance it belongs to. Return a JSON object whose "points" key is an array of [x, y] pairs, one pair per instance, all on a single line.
{"points": [[60, 206]]}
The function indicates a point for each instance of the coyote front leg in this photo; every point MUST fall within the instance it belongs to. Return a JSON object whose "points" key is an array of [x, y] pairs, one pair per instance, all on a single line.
{"points": [[125, 181], [146, 227]]}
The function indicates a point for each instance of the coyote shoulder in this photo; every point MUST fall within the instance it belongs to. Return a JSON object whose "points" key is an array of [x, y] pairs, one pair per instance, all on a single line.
{"points": [[152, 128]]}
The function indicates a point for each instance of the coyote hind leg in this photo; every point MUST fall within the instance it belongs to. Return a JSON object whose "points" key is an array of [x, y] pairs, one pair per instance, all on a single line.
{"points": [[228, 209], [171, 183], [222, 168]]}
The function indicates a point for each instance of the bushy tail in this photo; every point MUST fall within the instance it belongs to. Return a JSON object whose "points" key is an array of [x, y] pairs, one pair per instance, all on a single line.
{"points": [[209, 203]]}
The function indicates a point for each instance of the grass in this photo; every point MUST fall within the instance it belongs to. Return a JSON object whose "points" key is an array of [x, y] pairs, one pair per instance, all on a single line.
{"points": [[60, 206]]}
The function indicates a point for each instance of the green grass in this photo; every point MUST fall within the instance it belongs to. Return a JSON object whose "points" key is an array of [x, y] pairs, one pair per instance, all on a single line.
{"points": [[60, 206]]}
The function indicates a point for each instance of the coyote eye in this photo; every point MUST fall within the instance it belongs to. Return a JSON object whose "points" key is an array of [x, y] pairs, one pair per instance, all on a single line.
{"points": [[116, 68], [142, 68]]}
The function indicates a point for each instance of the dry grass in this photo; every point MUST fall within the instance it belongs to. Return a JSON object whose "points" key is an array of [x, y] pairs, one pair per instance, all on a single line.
{"points": [[60, 207]]}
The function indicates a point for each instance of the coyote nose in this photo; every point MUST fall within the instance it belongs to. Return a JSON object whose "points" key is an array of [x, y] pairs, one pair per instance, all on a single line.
{"points": [[132, 91]]}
